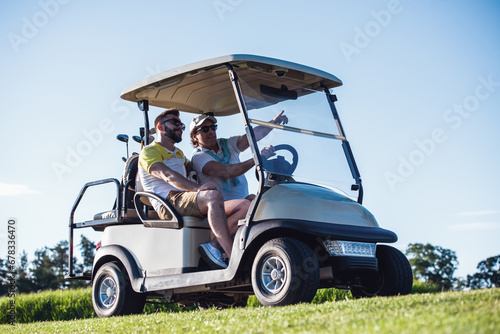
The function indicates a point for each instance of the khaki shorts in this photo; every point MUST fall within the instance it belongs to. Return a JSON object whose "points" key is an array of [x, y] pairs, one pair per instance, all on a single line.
{"points": [[185, 202]]}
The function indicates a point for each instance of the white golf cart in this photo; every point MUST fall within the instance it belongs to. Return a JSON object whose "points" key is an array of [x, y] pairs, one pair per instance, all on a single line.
{"points": [[306, 228]]}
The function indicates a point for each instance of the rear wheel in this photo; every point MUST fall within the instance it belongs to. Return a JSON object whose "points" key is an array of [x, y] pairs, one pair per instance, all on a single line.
{"points": [[112, 293], [285, 271], [394, 277]]}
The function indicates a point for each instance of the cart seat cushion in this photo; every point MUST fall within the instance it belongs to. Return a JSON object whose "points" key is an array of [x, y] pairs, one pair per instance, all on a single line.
{"points": [[130, 214], [194, 222], [105, 215]]}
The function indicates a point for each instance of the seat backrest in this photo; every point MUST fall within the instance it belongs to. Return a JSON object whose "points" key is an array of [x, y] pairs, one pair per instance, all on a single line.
{"points": [[129, 180], [140, 188], [130, 171]]}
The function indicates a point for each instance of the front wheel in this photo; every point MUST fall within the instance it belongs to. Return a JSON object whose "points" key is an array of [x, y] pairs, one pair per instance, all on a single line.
{"points": [[394, 277], [284, 272], [112, 294]]}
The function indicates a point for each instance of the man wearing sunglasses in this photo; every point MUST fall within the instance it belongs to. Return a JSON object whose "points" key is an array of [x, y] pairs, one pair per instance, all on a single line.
{"points": [[163, 169], [217, 160]]}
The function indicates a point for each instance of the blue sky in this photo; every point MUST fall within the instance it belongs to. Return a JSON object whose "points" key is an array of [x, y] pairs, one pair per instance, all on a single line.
{"points": [[419, 104]]}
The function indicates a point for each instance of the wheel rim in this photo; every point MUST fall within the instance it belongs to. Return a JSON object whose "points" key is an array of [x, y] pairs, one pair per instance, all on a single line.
{"points": [[273, 275], [370, 288], [107, 292]]}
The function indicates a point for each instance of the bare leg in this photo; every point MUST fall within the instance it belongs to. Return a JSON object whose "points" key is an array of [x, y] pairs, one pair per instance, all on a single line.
{"points": [[211, 203], [235, 210]]}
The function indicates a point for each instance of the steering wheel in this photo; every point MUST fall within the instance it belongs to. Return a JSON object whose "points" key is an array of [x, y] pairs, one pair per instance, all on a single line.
{"points": [[277, 163]]}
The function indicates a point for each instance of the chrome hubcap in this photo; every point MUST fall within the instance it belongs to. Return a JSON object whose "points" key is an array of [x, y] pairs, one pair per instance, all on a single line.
{"points": [[107, 292], [273, 275]]}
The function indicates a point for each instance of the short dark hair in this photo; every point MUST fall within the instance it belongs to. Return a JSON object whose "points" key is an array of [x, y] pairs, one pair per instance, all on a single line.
{"points": [[172, 111]]}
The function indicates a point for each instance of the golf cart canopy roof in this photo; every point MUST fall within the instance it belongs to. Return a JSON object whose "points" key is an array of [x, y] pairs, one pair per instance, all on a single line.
{"points": [[205, 86]]}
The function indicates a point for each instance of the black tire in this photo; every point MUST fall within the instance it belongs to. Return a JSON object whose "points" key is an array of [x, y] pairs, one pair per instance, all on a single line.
{"points": [[394, 278], [284, 272], [112, 294], [134, 302]]}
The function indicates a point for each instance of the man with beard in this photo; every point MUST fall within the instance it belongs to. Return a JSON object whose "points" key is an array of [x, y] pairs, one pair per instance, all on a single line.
{"points": [[163, 169]]}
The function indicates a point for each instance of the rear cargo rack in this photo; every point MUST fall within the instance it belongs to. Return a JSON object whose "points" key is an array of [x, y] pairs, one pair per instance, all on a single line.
{"points": [[96, 224]]}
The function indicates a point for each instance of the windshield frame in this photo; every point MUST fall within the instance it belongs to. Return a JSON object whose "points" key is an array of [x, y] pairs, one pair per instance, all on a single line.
{"points": [[261, 173]]}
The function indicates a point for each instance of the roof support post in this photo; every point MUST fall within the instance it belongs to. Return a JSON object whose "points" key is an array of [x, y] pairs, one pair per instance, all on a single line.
{"points": [[253, 145], [144, 107], [346, 146]]}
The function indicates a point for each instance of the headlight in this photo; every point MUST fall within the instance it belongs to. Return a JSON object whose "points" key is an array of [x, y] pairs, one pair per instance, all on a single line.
{"points": [[349, 248]]}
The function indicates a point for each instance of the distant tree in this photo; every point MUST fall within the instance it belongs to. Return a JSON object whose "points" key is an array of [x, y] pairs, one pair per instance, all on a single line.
{"points": [[488, 275], [48, 269], [24, 281], [88, 248], [433, 264], [4, 284], [42, 272], [59, 262]]}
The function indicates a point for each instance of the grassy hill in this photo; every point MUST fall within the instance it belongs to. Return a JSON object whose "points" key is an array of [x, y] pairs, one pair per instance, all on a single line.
{"points": [[475, 311]]}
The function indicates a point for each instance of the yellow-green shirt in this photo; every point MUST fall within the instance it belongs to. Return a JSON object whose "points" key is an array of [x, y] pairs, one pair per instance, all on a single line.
{"points": [[152, 154]]}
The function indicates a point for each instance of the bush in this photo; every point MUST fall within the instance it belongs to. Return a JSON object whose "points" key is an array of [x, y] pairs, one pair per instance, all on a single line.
{"points": [[424, 287], [50, 306], [65, 305], [331, 295]]}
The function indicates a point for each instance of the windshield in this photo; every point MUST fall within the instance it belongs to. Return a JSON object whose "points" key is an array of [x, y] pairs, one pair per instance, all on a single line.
{"points": [[309, 146]]}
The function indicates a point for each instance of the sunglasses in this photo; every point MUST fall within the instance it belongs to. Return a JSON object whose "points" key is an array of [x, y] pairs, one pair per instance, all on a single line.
{"points": [[206, 128], [176, 122]]}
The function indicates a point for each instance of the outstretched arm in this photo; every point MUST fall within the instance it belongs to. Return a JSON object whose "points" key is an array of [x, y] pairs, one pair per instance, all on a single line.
{"points": [[216, 169], [261, 131]]}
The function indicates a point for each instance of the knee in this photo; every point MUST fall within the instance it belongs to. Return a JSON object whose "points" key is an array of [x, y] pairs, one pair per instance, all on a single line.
{"points": [[244, 205], [214, 196]]}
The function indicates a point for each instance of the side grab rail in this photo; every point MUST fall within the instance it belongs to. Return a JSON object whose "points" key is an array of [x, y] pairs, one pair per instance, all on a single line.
{"points": [[175, 222], [77, 202]]}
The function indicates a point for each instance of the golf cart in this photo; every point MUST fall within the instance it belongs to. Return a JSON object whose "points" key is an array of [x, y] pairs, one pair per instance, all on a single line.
{"points": [[306, 228]]}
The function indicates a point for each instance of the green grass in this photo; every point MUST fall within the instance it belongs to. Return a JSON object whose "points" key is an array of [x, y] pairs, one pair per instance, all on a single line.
{"points": [[50, 305], [63, 305], [475, 311], [77, 304]]}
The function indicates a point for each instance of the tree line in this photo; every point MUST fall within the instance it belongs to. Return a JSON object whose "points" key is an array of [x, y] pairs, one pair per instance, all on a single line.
{"points": [[431, 264], [47, 270], [437, 265]]}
